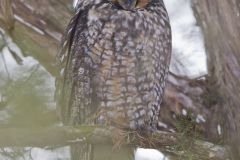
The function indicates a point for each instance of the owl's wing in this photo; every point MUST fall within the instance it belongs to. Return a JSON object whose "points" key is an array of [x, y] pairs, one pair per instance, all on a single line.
{"points": [[66, 41], [72, 86]]}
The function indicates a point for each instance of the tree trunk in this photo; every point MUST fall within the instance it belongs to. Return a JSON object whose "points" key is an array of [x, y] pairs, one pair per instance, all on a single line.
{"points": [[220, 22], [38, 27]]}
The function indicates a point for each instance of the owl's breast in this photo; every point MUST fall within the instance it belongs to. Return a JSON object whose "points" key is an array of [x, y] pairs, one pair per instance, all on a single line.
{"points": [[129, 50]]}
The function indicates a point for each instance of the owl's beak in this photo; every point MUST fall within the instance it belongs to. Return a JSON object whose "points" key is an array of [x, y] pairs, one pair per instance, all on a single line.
{"points": [[127, 4]]}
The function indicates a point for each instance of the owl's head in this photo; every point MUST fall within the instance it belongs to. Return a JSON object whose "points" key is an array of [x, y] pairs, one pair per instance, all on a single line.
{"points": [[131, 4]]}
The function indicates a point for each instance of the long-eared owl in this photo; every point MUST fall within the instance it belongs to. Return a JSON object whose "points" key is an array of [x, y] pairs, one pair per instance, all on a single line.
{"points": [[113, 63]]}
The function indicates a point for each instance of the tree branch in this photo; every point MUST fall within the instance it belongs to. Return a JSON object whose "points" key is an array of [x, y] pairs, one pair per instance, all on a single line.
{"points": [[40, 137]]}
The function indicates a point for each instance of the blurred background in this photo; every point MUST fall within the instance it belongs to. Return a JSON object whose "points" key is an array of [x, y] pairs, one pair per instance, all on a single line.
{"points": [[203, 83]]}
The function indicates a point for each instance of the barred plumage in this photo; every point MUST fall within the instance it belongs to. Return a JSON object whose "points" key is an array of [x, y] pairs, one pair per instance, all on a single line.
{"points": [[116, 65]]}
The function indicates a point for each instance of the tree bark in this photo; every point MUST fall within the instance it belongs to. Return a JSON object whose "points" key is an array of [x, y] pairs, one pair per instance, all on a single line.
{"points": [[6, 10], [220, 22]]}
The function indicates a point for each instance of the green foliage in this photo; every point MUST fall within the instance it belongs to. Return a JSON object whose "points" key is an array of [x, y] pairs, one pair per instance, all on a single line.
{"points": [[186, 124]]}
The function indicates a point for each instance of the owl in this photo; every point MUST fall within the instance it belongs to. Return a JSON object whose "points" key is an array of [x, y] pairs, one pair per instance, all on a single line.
{"points": [[113, 63]]}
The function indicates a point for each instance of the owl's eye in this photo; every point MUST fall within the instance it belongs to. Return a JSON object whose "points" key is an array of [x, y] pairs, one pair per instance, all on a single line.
{"points": [[130, 4], [125, 4], [141, 3]]}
